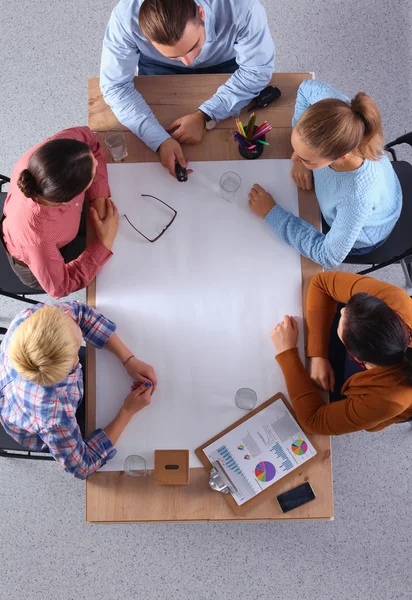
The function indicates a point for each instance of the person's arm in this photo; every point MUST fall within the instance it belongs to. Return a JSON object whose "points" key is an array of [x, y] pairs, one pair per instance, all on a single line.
{"points": [[96, 328], [139, 397], [58, 278], [355, 413], [118, 65], [328, 250], [255, 55], [311, 91], [327, 289], [137, 369], [82, 457], [99, 331], [78, 456]]}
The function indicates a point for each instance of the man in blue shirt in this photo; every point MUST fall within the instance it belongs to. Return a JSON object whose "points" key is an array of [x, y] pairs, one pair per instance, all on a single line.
{"points": [[184, 36]]}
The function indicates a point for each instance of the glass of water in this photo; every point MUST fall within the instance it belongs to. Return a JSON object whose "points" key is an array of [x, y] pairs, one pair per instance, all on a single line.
{"points": [[116, 142], [135, 466], [246, 399], [230, 183]]}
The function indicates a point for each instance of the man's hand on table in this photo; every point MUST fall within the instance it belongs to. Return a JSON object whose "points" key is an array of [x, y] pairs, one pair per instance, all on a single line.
{"points": [[171, 153], [141, 372], [188, 129], [321, 372], [285, 334], [260, 201]]}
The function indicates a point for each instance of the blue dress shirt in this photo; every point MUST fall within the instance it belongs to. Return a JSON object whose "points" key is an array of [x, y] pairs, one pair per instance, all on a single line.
{"points": [[234, 29]]}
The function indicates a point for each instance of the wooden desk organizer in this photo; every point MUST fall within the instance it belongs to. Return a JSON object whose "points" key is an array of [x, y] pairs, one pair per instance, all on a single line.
{"points": [[171, 467]]}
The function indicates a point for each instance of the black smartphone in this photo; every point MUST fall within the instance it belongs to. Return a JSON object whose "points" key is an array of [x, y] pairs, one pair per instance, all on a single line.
{"points": [[296, 497]]}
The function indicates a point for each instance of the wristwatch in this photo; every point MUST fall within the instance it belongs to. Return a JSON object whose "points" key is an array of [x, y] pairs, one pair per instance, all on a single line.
{"points": [[210, 123]]}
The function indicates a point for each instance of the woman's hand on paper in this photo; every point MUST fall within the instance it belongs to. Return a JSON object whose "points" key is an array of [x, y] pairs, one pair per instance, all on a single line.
{"points": [[321, 373], [141, 372], [260, 201], [285, 334], [139, 398], [303, 176], [170, 153]]}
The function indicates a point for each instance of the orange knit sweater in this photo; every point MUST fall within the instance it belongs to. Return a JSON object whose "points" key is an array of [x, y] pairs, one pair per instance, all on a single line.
{"points": [[375, 398]]}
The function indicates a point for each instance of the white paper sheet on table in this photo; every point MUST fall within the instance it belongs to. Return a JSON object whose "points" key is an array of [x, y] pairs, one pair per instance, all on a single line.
{"points": [[198, 304]]}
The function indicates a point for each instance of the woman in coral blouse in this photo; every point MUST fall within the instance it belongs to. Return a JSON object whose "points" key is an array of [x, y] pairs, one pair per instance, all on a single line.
{"points": [[43, 225]]}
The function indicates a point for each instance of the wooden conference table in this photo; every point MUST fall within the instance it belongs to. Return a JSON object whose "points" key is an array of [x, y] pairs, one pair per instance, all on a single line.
{"points": [[112, 496]]}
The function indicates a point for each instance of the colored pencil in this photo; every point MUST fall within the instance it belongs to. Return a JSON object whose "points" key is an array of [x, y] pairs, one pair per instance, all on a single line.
{"points": [[251, 125], [261, 129], [265, 124], [260, 134], [243, 142]]}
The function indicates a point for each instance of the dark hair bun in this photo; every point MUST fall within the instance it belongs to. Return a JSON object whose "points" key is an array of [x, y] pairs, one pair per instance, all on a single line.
{"points": [[27, 184]]}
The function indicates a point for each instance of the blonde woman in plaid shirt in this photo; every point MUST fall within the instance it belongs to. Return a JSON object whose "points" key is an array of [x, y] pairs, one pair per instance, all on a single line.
{"points": [[41, 382]]}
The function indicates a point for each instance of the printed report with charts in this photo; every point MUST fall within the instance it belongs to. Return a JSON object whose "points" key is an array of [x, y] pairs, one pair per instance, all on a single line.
{"points": [[260, 451]]}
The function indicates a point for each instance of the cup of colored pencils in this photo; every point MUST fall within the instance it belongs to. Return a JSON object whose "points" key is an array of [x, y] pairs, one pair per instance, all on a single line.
{"points": [[252, 138]]}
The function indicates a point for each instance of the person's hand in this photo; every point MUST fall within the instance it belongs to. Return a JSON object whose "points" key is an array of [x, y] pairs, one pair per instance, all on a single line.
{"points": [[188, 129], [100, 205], [303, 176], [139, 397], [285, 334], [260, 201], [106, 228], [141, 372], [171, 153], [321, 373]]}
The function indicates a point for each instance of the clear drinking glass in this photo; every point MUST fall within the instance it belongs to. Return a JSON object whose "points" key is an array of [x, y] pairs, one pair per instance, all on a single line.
{"points": [[135, 466], [230, 183], [116, 142], [246, 399]]}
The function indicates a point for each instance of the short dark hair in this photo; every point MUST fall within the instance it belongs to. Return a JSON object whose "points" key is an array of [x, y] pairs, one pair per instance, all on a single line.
{"points": [[373, 332], [58, 171], [164, 21]]}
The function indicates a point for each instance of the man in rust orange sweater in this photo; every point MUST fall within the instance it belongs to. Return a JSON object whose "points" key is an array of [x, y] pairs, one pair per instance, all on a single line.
{"points": [[375, 328]]}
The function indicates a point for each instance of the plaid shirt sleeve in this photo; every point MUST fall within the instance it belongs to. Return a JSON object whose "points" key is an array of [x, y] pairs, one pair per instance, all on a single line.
{"points": [[78, 456], [96, 329]]}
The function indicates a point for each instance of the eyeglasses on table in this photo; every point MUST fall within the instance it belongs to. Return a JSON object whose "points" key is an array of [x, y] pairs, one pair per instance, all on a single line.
{"points": [[164, 230]]}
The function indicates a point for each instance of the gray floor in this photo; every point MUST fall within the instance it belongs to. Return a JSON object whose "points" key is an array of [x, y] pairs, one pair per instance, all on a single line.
{"points": [[47, 50]]}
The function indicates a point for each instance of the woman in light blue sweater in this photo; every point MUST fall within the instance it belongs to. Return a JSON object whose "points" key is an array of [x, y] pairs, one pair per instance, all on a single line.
{"points": [[359, 194]]}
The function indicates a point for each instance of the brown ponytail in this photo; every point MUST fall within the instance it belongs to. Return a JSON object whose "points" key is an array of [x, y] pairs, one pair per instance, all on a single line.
{"points": [[28, 185], [334, 128], [365, 108]]}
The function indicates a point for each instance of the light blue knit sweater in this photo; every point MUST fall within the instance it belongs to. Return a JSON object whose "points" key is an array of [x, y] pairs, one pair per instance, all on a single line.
{"points": [[361, 207]]}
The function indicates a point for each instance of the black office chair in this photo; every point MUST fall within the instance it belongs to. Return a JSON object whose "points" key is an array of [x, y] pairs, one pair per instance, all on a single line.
{"points": [[10, 284], [398, 246]]}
